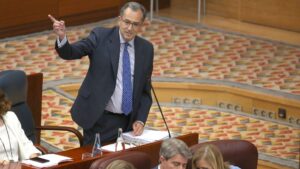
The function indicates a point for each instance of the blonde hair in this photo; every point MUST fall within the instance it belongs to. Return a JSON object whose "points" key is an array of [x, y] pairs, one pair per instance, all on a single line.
{"points": [[120, 164], [212, 155]]}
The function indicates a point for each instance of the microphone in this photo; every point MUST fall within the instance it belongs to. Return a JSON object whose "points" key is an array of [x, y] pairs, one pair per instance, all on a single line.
{"points": [[161, 112]]}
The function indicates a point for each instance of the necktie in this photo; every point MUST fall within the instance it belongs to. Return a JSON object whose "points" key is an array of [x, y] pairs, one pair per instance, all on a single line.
{"points": [[127, 86]]}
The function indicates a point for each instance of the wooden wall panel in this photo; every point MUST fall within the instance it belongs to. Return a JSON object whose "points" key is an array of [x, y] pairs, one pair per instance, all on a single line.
{"points": [[275, 13], [16, 12], [19, 17], [226, 8], [71, 7], [283, 14], [146, 3], [77, 12]]}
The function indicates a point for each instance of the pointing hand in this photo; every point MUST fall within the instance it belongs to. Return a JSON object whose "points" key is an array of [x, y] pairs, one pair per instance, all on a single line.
{"points": [[59, 27]]}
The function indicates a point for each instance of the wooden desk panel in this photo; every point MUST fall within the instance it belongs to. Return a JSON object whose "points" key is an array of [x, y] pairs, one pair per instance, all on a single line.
{"points": [[152, 149]]}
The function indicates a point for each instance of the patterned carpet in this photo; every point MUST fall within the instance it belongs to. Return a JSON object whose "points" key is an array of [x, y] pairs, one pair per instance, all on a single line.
{"points": [[181, 51]]}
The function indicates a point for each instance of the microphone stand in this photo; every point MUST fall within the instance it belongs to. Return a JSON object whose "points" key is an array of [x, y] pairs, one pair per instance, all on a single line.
{"points": [[161, 112]]}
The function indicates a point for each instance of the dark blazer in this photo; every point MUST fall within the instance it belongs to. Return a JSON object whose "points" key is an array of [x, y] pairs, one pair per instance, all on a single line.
{"points": [[102, 47]]}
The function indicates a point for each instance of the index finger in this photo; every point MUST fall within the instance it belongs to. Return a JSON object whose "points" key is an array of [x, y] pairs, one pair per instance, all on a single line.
{"points": [[52, 18]]}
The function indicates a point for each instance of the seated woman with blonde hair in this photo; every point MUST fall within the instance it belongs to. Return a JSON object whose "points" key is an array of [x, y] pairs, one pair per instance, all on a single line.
{"points": [[14, 145], [209, 157], [120, 164]]}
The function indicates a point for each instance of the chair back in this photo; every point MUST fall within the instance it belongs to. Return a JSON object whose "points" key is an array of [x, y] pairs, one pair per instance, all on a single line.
{"points": [[138, 159], [34, 100], [14, 85], [25, 93], [240, 153]]}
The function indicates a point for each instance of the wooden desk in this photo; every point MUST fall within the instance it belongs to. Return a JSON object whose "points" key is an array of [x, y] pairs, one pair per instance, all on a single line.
{"points": [[152, 149]]}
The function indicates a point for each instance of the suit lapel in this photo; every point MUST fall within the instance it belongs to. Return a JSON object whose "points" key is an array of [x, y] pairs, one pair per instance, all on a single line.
{"points": [[114, 50], [138, 66]]}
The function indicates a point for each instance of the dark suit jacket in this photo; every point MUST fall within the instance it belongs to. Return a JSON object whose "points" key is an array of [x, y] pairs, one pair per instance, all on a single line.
{"points": [[102, 47]]}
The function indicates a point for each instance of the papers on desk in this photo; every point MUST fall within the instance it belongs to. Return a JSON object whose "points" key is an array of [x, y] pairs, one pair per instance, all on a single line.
{"points": [[54, 159], [112, 147], [148, 136], [131, 141]]}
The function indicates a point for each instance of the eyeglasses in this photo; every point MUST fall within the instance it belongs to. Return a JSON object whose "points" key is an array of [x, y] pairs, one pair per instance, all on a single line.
{"points": [[128, 23]]}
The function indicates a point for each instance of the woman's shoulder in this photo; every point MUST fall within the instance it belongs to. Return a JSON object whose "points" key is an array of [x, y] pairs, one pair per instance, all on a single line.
{"points": [[10, 115]]}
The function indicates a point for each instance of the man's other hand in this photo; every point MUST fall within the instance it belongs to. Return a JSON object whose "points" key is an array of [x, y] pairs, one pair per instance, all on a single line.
{"points": [[138, 128]]}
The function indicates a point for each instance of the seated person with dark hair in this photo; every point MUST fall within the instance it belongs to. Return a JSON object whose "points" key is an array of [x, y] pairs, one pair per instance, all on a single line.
{"points": [[174, 154], [209, 157], [14, 145]]}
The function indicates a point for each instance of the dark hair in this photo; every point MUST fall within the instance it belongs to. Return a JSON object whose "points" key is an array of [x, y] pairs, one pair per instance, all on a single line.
{"points": [[135, 7], [4, 104]]}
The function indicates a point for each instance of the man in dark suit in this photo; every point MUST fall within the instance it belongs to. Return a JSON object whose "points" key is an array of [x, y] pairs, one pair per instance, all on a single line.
{"points": [[116, 90]]}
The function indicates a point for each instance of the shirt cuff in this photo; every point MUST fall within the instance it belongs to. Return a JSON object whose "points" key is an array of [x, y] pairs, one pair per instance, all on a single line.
{"points": [[142, 123], [62, 42]]}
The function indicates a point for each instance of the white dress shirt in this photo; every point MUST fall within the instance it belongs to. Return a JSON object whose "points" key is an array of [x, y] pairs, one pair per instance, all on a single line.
{"points": [[115, 102]]}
